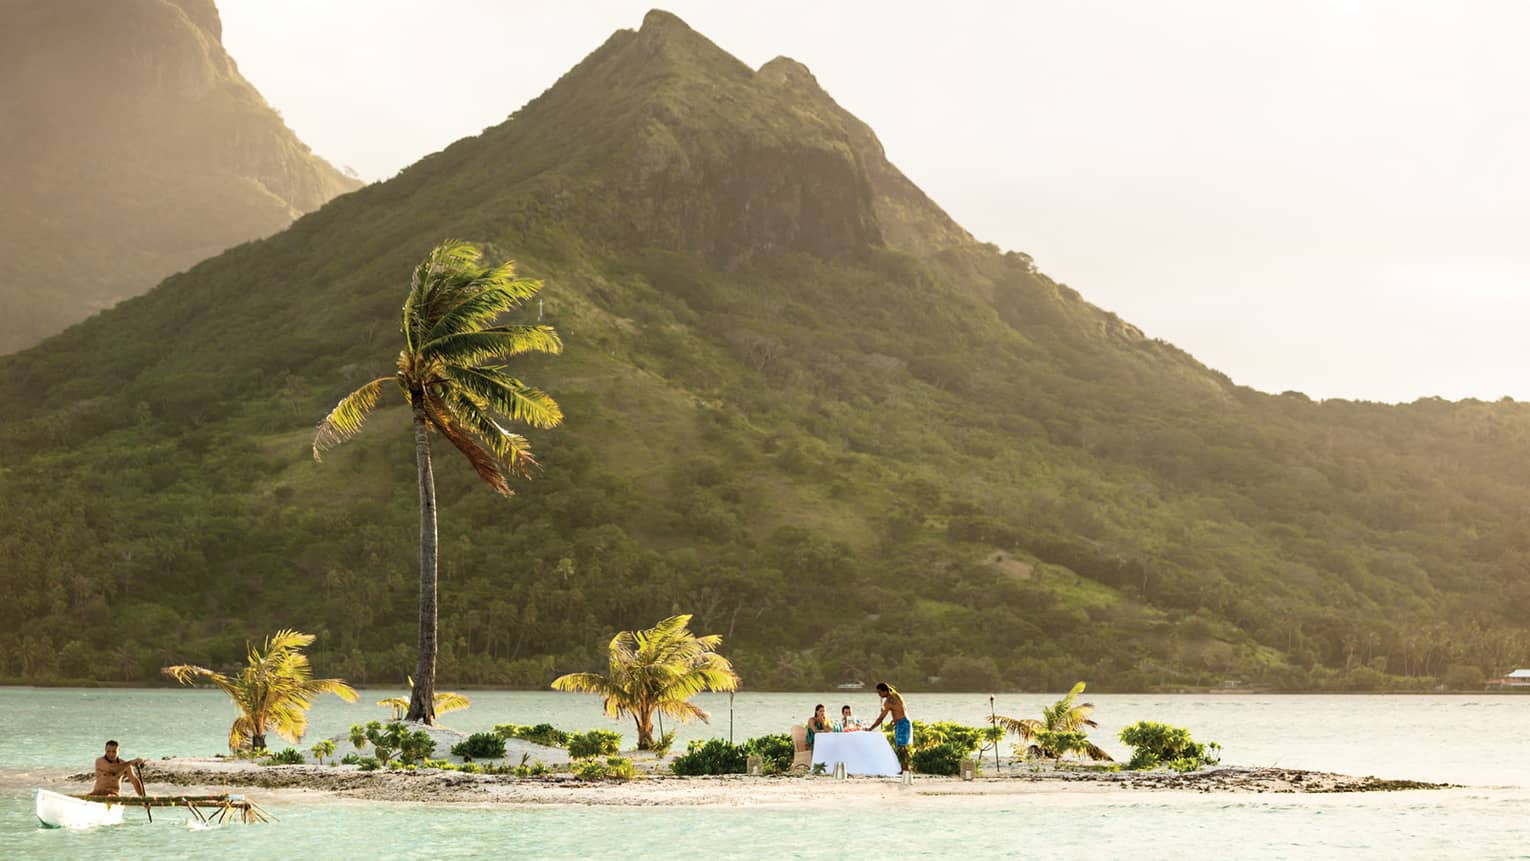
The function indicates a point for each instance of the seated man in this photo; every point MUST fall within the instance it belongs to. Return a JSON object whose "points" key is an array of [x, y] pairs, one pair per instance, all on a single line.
{"points": [[110, 770], [847, 722]]}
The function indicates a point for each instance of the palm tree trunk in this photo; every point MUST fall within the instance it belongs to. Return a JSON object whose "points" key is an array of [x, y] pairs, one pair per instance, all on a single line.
{"points": [[422, 698], [645, 729]]}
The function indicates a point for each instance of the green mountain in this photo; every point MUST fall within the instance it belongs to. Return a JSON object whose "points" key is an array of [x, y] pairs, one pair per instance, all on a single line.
{"points": [[130, 148], [802, 403]]}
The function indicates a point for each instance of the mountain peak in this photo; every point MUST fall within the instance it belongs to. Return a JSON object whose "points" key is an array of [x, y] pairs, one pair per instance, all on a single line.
{"points": [[700, 153], [658, 22]]}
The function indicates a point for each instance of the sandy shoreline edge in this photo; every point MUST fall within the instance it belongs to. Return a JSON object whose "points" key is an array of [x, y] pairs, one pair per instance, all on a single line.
{"points": [[435, 786]]}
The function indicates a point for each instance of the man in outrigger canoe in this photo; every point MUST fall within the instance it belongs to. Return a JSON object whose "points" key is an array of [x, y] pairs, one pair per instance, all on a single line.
{"points": [[110, 770], [903, 730]]}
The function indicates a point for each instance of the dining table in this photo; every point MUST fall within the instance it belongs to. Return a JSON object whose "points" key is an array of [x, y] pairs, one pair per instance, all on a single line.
{"points": [[864, 753]]}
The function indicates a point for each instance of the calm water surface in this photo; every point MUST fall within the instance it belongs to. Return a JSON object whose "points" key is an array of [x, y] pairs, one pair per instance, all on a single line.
{"points": [[1481, 742]]}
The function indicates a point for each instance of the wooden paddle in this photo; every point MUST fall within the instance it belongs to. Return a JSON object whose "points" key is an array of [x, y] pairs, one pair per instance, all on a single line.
{"points": [[138, 772]]}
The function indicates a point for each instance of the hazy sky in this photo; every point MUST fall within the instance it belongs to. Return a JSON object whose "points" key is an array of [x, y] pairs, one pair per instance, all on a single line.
{"points": [[1331, 197]]}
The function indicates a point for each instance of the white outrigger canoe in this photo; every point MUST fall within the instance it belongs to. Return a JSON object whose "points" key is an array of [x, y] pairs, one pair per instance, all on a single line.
{"points": [[64, 811], [56, 810]]}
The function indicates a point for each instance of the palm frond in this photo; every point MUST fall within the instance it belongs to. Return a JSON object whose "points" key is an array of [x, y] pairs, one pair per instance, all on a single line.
{"points": [[467, 349], [484, 462], [1024, 727], [447, 701], [476, 312], [346, 419], [506, 395], [1096, 753]]}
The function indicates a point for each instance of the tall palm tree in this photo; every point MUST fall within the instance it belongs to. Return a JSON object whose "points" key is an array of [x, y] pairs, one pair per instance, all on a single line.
{"points": [[1060, 730], [273, 692], [448, 373], [657, 670]]}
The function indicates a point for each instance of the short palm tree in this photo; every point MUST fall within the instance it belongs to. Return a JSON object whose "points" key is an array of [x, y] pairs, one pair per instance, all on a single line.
{"points": [[449, 374], [273, 692], [657, 671], [1060, 730], [444, 701]]}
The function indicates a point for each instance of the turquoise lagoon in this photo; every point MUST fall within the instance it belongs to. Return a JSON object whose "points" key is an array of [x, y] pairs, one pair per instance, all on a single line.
{"points": [[1480, 742]]}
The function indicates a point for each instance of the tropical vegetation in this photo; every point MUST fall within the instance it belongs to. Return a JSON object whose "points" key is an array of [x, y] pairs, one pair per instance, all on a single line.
{"points": [[876, 448], [719, 756], [1060, 731], [1158, 745], [617, 768], [543, 733], [656, 672], [322, 748], [940, 747], [480, 745], [594, 742], [272, 692], [452, 376]]}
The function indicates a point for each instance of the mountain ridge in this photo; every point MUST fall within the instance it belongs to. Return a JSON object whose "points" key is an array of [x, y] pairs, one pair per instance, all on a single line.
{"points": [[133, 148], [851, 454]]}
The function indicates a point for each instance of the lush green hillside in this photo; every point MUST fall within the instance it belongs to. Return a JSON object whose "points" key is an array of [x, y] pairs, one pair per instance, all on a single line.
{"points": [[130, 148], [802, 403]]}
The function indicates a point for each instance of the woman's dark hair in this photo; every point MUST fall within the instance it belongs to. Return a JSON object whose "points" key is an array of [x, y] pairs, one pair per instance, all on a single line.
{"points": [[817, 707]]}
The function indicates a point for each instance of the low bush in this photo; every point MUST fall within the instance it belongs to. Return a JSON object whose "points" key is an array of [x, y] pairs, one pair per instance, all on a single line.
{"points": [[480, 745], [1158, 745], [290, 756], [713, 756], [395, 738], [543, 733], [613, 768], [365, 763], [776, 750], [939, 759], [595, 742]]}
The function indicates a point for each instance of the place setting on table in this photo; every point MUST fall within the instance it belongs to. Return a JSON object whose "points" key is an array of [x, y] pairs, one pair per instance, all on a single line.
{"points": [[862, 751]]}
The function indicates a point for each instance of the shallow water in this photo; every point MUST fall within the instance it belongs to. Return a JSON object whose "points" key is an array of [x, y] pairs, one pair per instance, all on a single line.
{"points": [[43, 730]]}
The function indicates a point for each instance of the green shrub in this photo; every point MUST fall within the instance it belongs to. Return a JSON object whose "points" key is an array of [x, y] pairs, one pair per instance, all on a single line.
{"points": [[1158, 745], [290, 756], [480, 745], [596, 742], [714, 756], [614, 768], [367, 763], [776, 750], [396, 738], [543, 733], [663, 743], [939, 759], [535, 769], [964, 738]]}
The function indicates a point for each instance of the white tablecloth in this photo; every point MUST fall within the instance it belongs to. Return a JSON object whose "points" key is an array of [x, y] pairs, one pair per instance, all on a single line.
{"points": [[861, 752]]}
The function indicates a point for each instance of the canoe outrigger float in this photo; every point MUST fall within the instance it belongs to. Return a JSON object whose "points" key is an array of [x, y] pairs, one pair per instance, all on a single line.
{"points": [[57, 810]]}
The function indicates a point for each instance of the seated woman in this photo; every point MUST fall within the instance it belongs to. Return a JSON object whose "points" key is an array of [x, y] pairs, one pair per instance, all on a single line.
{"points": [[818, 723], [847, 722]]}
